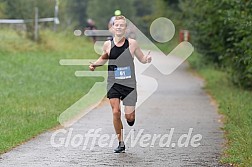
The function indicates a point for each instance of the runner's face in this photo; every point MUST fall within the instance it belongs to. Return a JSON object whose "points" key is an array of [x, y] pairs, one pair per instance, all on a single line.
{"points": [[119, 27]]}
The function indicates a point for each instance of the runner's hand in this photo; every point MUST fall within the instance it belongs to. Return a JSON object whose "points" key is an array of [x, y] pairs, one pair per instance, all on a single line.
{"points": [[91, 67]]}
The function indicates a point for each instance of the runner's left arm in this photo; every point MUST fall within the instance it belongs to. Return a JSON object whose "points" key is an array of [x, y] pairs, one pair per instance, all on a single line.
{"points": [[140, 56]]}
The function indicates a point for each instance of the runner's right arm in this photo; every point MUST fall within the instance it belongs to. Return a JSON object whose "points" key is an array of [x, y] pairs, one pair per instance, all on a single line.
{"points": [[101, 60]]}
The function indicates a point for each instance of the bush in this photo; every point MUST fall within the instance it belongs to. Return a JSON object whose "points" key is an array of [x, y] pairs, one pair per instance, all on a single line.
{"points": [[222, 34]]}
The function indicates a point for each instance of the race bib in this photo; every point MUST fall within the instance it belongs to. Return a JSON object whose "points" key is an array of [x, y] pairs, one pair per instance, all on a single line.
{"points": [[122, 72]]}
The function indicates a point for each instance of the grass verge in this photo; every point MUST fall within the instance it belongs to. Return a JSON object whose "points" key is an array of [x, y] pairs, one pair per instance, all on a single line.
{"points": [[235, 104], [35, 89]]}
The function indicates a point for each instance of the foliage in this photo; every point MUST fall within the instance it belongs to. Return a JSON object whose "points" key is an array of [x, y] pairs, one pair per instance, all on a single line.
{"points": [[2, 8], [76, 10], [101, 12], [222, 33], [16, 9]]}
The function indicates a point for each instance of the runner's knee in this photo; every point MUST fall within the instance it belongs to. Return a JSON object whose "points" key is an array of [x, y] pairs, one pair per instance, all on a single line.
{"points": [[130, 116], [116, 113]]}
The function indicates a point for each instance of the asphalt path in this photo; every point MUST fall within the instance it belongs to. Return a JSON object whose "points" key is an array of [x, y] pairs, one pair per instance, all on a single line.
{"points": [[177, 125]]}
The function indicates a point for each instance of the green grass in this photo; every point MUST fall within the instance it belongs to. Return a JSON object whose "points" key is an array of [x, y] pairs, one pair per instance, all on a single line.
{"points": [[34, 88], [235, 104]]}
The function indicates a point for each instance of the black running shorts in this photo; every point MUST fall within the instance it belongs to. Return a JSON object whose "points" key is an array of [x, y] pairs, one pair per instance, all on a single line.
{"points": [[127, 94]]}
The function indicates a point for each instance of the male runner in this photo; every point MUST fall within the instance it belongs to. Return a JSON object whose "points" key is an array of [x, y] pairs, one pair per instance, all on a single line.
{"points": [[121, 83]]}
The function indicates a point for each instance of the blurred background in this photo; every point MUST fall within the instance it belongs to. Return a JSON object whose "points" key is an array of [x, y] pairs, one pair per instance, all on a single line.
{"points": [[36, 34]]}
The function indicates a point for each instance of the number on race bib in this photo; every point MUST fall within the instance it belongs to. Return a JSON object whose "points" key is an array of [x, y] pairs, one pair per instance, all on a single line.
{"points": [[122, 72]]}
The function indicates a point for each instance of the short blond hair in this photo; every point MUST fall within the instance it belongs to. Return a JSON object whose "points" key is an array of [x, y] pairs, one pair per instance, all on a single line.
{"points": [[121, 17]]}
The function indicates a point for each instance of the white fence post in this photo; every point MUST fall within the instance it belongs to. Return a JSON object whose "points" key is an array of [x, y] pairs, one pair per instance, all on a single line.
{"points": [[56, 10]]}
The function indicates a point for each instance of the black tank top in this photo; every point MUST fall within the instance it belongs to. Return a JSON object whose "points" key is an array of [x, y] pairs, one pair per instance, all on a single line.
{"points": [[121, 69]]}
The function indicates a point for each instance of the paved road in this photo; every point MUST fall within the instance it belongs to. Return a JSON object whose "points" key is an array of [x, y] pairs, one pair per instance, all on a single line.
{"points": [[178, 104]]}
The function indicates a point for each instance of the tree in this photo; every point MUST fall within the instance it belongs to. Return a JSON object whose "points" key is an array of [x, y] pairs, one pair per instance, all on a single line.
{"points": [[144, 12], [223, 34], [101, 11], [16, 9], [2, 9], [77, 11]]}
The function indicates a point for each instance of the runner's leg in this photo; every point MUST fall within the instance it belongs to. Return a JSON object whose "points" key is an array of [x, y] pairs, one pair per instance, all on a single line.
{"points": [[115, 104], [129, 113]]}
